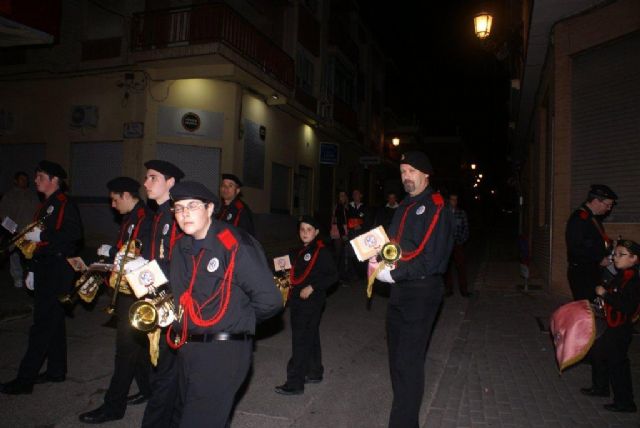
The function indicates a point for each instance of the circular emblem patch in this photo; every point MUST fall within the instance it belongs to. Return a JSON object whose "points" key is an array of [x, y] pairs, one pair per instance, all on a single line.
{"points": [[190, 121], [165, 229], [213, 264], [307, 257], [50, 209], [146, 278], [229, 216], [371, 241], [361, 214], [420, 210]]}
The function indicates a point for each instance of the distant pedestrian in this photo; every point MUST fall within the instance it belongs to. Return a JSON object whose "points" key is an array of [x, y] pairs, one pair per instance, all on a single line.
{"points": [[233, 209], [423, 228], [460, 237], [385, 213], [19, 203], [609, 355], [338, 232], [358, 222], [588, 246]]}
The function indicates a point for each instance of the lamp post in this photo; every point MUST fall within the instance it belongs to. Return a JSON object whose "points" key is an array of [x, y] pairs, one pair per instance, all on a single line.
{"points": [[482, 25]]}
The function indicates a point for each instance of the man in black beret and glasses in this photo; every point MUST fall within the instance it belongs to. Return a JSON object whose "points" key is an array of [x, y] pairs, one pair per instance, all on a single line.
{"points": [[588, 246]]}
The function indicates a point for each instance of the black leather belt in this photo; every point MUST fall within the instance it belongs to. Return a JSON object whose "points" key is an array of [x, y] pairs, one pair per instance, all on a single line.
{"points": [[218, 336]]}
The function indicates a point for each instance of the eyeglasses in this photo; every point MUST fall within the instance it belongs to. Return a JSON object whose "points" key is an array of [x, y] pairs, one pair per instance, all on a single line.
{"points": [[609, 205], [620, 254], [191, 206]]}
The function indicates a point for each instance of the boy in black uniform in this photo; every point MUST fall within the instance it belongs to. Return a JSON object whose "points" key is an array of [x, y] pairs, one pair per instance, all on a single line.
{"points": [[313, 271], [160, 178], [222, 285], [233, 210], [132, 355], [50, 276], [588, 246], [424, 231], [609, 355]]}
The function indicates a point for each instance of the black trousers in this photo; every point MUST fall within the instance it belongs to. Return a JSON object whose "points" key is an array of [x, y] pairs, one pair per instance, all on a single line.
{"points": [[411, 312], [47, 337], [306, 352], [131, 360], [162, 409], [610, 363], [583, 279], [210, 375]]}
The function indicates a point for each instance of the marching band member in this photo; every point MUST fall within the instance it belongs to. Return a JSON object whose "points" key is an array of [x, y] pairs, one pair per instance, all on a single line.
{"points": [[131, 357], [234, 210], [610, 360], [160, 178], [222, 285], [424, 231], [49, 277], [313, 271]]}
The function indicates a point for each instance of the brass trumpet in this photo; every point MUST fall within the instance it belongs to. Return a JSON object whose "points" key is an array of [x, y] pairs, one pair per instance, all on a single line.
{"points": [[157, 311], [86, 287], [27, 247], [389, 254], [283, 283], [130, 250]]}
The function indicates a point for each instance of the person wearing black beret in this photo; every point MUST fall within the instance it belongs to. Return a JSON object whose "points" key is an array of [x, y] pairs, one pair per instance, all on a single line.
{"points": [[222, 285], [161, 177], [609, 355], [49, 276], [588, 246], [234, 210], [423, 228], [131, 357], [313, 271]]}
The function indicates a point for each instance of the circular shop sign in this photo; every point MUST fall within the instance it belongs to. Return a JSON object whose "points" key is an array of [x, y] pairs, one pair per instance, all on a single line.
{"points": [[190, 121]]}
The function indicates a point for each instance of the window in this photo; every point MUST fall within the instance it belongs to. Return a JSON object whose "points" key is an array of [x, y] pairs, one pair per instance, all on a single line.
{"points": [[304, 72]]}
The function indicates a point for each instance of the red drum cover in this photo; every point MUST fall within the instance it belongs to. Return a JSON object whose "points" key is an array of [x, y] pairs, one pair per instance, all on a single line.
{"points": [[573, 328]]}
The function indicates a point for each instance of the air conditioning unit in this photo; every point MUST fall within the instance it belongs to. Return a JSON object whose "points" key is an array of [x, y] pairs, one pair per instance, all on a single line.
{"points": [[84, 116]]}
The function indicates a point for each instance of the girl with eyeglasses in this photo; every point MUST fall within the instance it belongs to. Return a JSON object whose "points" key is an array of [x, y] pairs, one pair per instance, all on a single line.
{"points": [[610, 363]]}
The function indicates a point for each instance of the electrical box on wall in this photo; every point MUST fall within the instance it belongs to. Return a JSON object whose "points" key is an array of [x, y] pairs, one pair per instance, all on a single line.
{"points": [[84, 117]]}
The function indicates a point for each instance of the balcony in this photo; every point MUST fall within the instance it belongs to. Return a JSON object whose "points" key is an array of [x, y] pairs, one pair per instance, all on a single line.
{"points": [[211, 23]]}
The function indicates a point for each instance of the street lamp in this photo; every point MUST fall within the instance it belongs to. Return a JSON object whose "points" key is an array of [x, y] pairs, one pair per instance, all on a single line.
{"points": [[482, 25], [473, 166], [395, 141]]}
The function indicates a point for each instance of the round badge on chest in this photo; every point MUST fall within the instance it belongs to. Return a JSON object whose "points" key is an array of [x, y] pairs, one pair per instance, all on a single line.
{"points": [[50, 209], [307, 257], [165, 229], [229, 216], [420, 210], [213, 264]]}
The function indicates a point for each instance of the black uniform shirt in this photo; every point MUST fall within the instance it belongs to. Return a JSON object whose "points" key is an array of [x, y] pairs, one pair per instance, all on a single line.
{"points": [[357, 216], [254, 295], [623, 297], [322, 275], [62, 231], [238, 214], [584, 237], [164, 235], [434, 258], [141, 218]]}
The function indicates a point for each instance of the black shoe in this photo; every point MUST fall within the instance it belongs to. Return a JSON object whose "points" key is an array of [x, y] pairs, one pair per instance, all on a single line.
{"points": [[45, 378], [98, 416], [289, 390], [312, 379], [613, 407], [595, 392], [17, 387], [138, 398]]}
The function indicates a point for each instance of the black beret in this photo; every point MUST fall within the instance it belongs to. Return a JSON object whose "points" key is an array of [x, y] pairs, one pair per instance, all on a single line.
{"points": [[309, 220], [233, 178], [630, 245], [123, 184], [52, 169], [603, 192], [192, 190], [418, 160], [166, 168]]}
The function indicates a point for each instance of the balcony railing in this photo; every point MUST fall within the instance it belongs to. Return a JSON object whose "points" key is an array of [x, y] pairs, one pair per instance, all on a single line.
{"points": [[210, 23]]}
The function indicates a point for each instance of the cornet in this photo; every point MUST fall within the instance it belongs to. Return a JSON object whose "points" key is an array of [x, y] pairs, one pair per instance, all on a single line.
{"points": [[157, 311], [27, 247]]}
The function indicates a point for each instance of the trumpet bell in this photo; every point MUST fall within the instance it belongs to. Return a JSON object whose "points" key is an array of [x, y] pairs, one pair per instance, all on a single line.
{"points": [[143, 316], [391, 252]]}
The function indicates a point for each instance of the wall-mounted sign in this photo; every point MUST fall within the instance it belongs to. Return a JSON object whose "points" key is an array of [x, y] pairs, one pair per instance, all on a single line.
{"points": [[329, 154], [188, 122], [133, 130]]}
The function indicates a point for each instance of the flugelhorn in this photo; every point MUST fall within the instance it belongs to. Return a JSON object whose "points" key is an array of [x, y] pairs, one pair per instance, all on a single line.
{"points": [[27, 247], [157, 311]]}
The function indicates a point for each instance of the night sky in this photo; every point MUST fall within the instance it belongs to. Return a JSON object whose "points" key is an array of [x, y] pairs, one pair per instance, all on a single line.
{"points": [[448, 80]]}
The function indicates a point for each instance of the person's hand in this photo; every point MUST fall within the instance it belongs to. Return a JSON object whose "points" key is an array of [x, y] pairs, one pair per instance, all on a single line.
{"points": [[306, 292], [384, 275], [605, 261], [28, 281], [104, 250], [601, 291], [34, 235], [135, 264]]}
